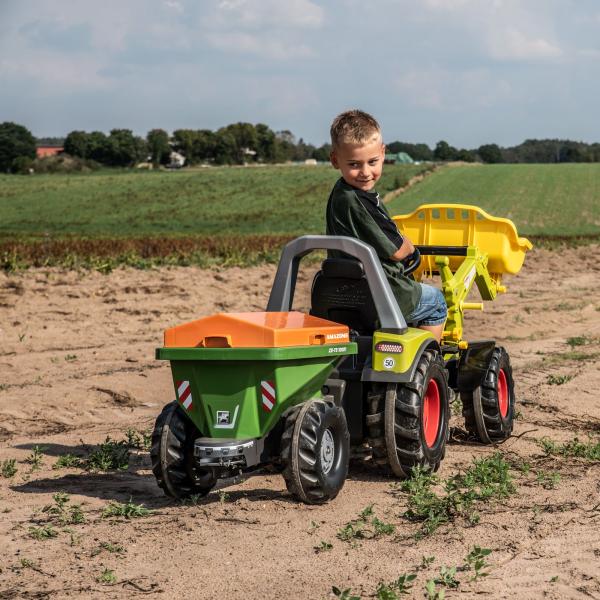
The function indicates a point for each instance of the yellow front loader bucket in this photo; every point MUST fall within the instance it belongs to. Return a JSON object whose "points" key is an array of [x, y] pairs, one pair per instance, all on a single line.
{"points": [[465, 225]]}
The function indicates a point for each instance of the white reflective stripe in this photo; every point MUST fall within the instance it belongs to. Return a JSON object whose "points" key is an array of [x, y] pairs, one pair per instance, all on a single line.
{"points": [[187, 402], [268, 388], [184, 386], [267, 402]]}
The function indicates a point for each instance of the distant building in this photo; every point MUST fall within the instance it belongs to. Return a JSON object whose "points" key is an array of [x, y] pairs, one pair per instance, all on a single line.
{"points": [[400, 158], [176, 160], [310, 161], [42, 151]]}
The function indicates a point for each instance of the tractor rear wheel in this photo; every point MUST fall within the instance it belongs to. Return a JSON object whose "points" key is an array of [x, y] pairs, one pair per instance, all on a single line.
{"points": [[315, 451], [489, 410], [408, 423], [172, 455]]}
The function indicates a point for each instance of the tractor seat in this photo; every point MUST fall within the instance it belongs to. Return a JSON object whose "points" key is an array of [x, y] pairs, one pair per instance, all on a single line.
{"points": [[340, 293]]}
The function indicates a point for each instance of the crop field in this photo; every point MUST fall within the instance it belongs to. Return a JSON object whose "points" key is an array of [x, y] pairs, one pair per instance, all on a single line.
{"points": [[234, 215], [543, 200]]}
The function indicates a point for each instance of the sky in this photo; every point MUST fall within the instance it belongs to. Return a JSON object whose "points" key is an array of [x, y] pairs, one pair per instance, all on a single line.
{"points": [[466, 71]]}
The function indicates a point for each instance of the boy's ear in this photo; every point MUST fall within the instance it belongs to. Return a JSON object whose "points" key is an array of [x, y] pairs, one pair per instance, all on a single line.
{"points": [[383, 149], [333, 159]]}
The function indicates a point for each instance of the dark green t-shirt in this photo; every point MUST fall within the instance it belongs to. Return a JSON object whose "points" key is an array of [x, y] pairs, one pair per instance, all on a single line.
{"points": [[358, 214]]}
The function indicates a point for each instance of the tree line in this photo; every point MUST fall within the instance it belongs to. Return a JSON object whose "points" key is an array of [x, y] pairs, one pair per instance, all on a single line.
{"points": [[243, 143], [530, 151]]}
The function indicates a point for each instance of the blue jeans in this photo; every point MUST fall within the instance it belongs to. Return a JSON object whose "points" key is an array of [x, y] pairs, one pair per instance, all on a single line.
{"points": [[431, 310]]}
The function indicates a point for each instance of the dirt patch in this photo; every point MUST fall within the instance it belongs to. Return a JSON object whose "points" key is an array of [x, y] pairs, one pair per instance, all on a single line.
{"points": [[77, 365]]}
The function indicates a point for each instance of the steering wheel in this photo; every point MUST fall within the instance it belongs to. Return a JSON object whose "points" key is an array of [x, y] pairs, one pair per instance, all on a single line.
{"points": [[411, 262]]}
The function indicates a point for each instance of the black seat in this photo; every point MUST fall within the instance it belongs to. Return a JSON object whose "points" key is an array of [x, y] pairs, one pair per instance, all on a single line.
{"points": [[340, 293]]}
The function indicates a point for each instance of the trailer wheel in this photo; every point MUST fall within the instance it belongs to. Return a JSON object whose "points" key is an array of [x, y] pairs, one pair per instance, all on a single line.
{"points": [[489, 410], [172, 455], [315, 450], [408, 423]]}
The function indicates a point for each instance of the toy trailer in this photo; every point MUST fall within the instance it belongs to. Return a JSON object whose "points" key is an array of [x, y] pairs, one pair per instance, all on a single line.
{"points": [[238, 378]]}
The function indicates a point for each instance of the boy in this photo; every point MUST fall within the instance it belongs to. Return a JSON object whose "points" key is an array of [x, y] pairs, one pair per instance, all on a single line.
{"points": [[354, 209]]}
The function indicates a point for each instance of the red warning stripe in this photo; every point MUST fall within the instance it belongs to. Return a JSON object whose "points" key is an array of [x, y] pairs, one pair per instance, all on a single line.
{"points": [[184, 394]]}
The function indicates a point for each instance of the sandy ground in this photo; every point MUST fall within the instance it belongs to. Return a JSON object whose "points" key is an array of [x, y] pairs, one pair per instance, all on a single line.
{"points": [[76, 365]]}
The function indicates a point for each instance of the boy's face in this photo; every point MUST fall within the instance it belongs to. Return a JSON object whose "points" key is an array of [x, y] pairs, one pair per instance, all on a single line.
{"points": [[360, 164]]}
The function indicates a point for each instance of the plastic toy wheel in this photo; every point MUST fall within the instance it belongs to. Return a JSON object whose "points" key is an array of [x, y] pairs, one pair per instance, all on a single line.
{"points": [[489, 410], [408, 423], [315, 449], [172, 455]]}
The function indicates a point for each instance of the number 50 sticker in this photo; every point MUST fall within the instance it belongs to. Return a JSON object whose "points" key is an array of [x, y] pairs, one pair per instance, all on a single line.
{"points": [[388, 362]]}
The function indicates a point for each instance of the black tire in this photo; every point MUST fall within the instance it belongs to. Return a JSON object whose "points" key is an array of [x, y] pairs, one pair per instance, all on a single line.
{"points": [[315, 451], [408, 423], [489, 410], [172, 455]]}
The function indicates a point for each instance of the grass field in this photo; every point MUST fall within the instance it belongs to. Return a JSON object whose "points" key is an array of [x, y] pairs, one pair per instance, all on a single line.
{"points": [[268, 200], [542, 200], [204, 216], [244, 215]]}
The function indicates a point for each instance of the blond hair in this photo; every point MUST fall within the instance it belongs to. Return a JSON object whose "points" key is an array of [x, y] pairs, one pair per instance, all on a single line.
{"points": [[354, 127]]}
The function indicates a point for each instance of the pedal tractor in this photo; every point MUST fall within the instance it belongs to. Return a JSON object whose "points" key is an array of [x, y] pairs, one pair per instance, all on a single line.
{"points": [[295, 392]]}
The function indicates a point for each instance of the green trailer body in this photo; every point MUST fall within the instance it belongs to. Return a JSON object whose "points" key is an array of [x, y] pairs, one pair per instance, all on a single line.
{"points": [[241, 393]]}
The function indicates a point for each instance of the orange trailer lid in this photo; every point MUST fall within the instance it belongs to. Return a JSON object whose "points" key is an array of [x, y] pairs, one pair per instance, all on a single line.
{"points": [[256, 330]]}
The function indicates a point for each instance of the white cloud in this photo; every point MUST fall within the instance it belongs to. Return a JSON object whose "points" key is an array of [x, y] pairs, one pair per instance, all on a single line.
{"points": [[442, 90], [270, 13], [512, 44], [262, 45]]}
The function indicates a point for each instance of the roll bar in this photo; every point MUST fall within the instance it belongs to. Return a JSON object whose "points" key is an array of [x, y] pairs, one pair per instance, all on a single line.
{"points": [[284, 285]]}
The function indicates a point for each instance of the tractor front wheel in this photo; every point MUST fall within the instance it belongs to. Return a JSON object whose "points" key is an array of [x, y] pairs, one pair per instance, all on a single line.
{"points": [[315, 450], [172, 455], [408, 423], [489, 410]]}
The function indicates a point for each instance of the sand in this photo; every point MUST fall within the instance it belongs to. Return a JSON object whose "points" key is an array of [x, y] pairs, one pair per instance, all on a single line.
{"points": [[77, 365]]}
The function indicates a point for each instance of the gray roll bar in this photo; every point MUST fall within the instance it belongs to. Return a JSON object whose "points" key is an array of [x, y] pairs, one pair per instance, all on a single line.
{"points": [[282, 293]]}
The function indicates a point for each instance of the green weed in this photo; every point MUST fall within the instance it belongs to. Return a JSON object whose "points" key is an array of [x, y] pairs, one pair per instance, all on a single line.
{"points": [[108, 547], [67, 461], [432, 593], [580, 340], [344, 594], [45, 532], [63, 513], [323, 546], [36, 458], [574, 448], [476, 561], [548, 479], [486, 479], [447, 577], [426, 562], [109, 456], [558, 379], [138, 440], [456, 405], [366, 526], [395, 589], [9, 468], [128, 510], [107, 577]]}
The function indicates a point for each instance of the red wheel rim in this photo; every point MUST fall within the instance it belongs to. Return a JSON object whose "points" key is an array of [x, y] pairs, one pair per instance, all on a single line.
{"points": [[502, 393], [431, 413]]}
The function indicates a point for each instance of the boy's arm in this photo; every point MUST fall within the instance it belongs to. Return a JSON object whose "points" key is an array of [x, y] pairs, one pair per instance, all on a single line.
{"points": [[404, 251]]}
